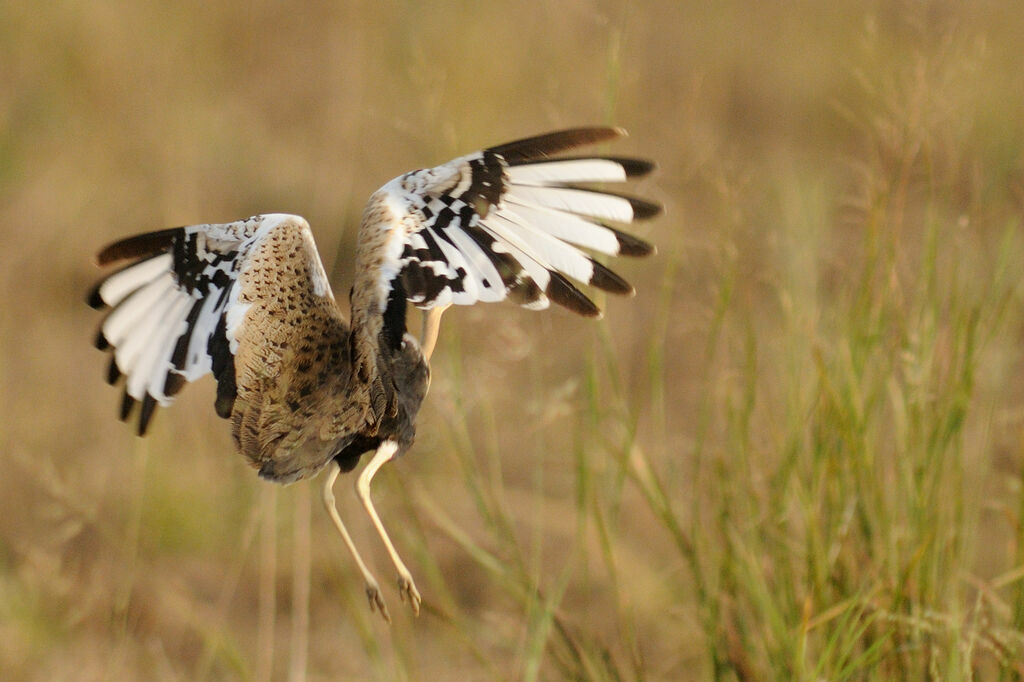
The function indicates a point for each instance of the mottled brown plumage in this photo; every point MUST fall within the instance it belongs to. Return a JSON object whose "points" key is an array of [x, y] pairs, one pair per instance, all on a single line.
{"points": [[296, 404]]}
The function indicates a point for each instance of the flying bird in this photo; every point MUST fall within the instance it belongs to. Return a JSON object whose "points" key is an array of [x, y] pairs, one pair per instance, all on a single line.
{"points": [[304, 387]]}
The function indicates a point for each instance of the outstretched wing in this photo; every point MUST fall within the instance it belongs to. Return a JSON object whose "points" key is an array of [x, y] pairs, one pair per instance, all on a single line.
{"points": [[178, 309], [510, 222]]}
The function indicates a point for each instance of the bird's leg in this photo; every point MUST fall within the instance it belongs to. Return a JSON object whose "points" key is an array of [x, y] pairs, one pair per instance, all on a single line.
{"points": [[372, 587], [384, 454], [431, 325]]}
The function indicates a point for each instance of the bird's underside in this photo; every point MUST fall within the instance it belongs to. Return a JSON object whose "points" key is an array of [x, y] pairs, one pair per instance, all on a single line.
{"points": [[304, 388]]}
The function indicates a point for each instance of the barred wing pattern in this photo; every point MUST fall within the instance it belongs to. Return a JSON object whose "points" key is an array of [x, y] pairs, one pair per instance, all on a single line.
{"points": [[506, 223], [177, 311]]}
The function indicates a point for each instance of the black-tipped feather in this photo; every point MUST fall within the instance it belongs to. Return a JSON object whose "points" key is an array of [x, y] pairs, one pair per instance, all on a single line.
{"points": [[561, 291], [606, 280], [173, 384], [634, 168], [127, 403], [524, 290], [632, 246], [94, 299], [113, 373], [642, 209], [146, 413]]}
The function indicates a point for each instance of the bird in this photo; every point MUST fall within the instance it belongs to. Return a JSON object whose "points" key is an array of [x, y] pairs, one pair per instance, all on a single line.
{"points": [[307, 388]]}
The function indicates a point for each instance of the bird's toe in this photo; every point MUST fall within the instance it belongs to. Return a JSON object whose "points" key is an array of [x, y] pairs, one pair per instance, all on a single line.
{"points": [[377, 601], [407, 588]]}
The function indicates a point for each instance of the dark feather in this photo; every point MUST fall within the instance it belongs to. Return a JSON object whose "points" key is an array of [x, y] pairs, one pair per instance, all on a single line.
{"points": [[173, 384], [606, 280], [224, 404], [148, 244], [632, 246], [394, 316], [543, 146], [113, 373], [94, 299], [223, 366], [180, 352], [146, 413], [127, 403], [523, 290], [562, 292], [643, 209]]}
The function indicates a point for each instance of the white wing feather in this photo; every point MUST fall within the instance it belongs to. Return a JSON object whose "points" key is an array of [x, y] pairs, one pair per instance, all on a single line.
{"points": [[509, 222]]}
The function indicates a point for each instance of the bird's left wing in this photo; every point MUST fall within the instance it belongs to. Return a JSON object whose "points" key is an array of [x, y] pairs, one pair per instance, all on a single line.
{"points": [[509, 222], [179, 309]]}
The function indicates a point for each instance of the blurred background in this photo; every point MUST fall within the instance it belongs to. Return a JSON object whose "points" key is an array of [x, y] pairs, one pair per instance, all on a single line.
{"points": [[795, 454]]}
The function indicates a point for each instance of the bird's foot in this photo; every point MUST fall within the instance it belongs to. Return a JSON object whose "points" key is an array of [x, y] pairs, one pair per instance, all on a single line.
{"points": [[377, 600], [407, 590]]}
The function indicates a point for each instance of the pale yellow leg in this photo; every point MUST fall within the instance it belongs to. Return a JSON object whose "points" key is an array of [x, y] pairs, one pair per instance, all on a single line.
{"points": [[372, 587], [431, 325], [384, 454]]}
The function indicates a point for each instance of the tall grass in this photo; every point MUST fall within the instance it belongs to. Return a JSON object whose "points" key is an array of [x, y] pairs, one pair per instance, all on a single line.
{"points": [[835, 497], [832, 514]]}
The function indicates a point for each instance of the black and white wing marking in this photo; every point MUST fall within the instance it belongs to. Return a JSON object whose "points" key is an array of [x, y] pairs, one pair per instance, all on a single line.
{"points": [[176, 309], [507, 222]]}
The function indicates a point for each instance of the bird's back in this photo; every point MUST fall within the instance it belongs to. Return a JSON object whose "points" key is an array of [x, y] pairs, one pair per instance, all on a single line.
{"points": [[296, 402]]}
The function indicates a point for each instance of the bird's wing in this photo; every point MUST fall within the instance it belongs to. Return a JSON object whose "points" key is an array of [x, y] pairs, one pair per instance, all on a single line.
{"points": [[179, 309], [508, 222]]}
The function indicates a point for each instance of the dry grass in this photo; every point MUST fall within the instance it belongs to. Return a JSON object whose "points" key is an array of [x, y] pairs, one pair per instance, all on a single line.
{"points": [[796, 454]]}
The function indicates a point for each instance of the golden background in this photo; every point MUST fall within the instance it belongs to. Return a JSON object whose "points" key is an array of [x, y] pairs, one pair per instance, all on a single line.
{"points": [[795, 454]]}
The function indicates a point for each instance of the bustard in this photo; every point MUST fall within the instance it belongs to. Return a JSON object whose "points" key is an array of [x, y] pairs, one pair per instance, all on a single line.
{"points": [[303, 387]]}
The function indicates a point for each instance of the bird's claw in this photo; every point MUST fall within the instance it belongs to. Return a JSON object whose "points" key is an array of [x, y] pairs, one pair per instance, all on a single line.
{"points": [[407, 590], [377, 601]]}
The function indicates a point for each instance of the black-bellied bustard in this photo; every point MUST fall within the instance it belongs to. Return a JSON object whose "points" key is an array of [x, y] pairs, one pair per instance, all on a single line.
{"points": [[306, 389]]}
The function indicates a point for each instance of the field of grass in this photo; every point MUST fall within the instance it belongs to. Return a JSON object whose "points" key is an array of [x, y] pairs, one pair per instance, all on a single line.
{"points": [[796, 454]]}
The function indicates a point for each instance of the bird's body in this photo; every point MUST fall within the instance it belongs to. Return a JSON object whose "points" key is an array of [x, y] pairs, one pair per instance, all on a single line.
{"points": [[250, 302]]}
